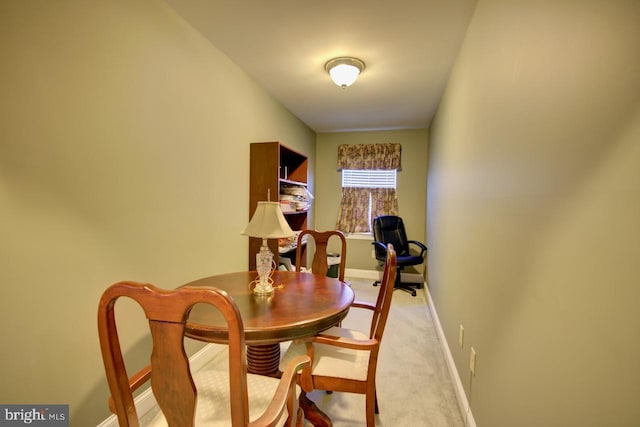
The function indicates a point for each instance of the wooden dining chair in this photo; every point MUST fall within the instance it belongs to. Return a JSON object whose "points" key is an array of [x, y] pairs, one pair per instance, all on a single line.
{"points": [[346, 360], [208, 396], [319, 263]]}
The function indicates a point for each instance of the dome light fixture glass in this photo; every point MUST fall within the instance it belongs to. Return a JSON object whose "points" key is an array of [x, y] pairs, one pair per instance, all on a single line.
{"points": [[344, 70]]}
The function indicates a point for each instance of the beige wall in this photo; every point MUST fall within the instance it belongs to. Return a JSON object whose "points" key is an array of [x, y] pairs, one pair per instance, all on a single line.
{"points": [[412, 184], [534, 212], [124, 154]]}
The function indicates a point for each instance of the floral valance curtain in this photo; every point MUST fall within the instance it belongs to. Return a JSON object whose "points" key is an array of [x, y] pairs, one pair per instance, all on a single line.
{"points": [[369, 156]]}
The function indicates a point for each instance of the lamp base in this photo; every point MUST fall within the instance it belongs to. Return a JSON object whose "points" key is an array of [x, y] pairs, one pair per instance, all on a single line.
{"points": [[261, 289], [264, 266]]}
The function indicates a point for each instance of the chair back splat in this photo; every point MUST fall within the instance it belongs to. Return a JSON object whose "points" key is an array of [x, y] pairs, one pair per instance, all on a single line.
{"points": [[320, 264], [174, 385]]}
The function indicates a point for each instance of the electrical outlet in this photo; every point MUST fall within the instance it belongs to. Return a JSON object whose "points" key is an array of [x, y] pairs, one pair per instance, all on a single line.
{"points": [[461, 336], [472, 361]]}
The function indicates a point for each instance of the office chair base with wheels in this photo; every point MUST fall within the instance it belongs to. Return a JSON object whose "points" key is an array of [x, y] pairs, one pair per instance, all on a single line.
{"points": [[407, 287]]}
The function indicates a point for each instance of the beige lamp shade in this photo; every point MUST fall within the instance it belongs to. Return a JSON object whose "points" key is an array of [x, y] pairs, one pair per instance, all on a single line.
{"points": [[268, 222]]}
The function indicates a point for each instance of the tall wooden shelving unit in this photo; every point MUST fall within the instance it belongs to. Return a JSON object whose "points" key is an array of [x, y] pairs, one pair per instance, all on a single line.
{"points": [[272, 165]]}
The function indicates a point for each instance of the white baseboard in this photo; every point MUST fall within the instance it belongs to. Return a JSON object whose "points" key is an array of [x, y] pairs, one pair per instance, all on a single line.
{"points": [[145, 401], [463, 402]]}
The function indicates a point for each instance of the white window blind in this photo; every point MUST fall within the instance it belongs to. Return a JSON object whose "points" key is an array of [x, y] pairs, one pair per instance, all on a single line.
{"points": [[362, 178]]}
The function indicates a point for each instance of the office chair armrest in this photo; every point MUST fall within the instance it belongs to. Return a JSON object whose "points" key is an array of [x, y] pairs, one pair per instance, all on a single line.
{"points": [[422, 247], [363, 304], [343, 342], [380, 245]]}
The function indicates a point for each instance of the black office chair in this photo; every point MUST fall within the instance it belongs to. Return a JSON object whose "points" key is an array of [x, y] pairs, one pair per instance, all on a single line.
{"points": [[390, 229]]}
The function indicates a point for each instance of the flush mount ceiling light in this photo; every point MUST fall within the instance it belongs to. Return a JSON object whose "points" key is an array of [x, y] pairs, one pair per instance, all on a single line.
{"points": [[344, 70]]}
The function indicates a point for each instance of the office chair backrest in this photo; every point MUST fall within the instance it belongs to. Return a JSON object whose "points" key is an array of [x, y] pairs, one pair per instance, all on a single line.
{"points": [[390, 229], [321, 239], [171, 378]]}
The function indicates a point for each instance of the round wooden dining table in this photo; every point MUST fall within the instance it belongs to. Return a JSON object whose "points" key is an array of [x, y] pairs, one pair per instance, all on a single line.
{"points": [[301, 305]]}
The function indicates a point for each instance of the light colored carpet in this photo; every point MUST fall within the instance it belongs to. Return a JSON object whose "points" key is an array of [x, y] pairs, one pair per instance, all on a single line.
{"points": [[413, 383]]}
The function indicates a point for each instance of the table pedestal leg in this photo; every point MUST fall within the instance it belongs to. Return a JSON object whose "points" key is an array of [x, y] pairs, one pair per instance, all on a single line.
{"points": [[265, 360], [312, 413]]}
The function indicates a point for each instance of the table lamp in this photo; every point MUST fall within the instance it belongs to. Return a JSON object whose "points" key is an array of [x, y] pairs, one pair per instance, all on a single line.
{"points": [[267, 222]]}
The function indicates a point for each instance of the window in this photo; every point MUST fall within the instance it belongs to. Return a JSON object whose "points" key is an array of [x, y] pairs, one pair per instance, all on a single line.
{"points": [[362, 181], [368, 184], [369, 178]]}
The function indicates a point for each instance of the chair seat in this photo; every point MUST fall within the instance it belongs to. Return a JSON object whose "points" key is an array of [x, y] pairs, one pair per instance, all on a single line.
{"points": [[331, 361], [213, 406], [409, 260]]}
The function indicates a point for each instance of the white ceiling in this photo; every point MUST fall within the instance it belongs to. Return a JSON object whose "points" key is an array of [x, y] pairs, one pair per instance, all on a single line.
{"points": [[408, 46]]}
